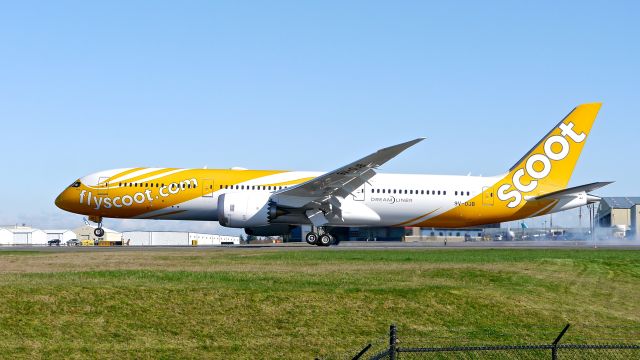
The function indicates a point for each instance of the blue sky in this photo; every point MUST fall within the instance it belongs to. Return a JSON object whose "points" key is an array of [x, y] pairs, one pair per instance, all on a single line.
{"points": [[305, 85]]}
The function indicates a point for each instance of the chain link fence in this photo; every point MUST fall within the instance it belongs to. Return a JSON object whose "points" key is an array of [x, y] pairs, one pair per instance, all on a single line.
{"points": [[395, 348]]}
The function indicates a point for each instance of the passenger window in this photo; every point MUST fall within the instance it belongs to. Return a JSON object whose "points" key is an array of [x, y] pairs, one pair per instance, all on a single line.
{"points": [[438, 192], [422, 192], [411, 192], [456, 193], [405, 191], [444, 192], [467, 193]]}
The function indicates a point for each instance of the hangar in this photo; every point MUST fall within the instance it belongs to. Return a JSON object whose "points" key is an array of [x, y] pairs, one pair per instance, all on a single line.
{"points": [[6, 237], [25, 235], [620, 212], [176, 238]]}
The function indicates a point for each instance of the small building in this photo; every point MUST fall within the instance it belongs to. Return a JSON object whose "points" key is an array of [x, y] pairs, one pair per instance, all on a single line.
{"points": [[620, 213], [25, 235], [616, 211], [6, 237], [86, 233], [62, 235]]}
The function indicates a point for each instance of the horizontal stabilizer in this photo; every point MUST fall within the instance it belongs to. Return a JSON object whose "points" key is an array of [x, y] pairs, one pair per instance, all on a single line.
{"points": [[571, 191]]}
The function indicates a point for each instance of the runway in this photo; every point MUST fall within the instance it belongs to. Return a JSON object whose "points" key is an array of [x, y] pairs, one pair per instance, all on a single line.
{"points": [[350, 245]]}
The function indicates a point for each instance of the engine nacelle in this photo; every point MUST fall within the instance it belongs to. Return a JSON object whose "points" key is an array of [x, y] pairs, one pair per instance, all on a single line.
{"points": [[244, 209], [271, 230]]}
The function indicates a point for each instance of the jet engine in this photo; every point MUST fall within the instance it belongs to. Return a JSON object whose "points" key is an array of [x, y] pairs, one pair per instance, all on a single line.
{"points": [[247, 210]]}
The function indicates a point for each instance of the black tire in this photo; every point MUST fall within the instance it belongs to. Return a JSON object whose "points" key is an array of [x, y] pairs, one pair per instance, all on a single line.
{"points": [[325, 240], [311, 238], [99, 232]]}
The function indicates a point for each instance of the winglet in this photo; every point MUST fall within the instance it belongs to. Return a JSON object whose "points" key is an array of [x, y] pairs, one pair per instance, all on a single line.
{"points": [[394, 150]]}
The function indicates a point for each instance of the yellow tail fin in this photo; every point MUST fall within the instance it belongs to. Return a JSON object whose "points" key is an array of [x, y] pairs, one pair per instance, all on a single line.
{"points": [[549, 164]]}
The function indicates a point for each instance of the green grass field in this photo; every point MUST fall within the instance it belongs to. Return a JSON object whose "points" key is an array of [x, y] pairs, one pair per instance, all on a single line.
{"points": [[293, 304]]}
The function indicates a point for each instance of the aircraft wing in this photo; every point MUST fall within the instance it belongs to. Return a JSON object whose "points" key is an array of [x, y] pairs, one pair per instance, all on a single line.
{"points": [[323, 192], [571, 191]]}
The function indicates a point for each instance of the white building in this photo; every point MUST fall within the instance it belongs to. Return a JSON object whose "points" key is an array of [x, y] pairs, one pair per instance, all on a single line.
{"points": [[175, 238], [62, 235], [25, 235], [6, 237], [86, 233]]}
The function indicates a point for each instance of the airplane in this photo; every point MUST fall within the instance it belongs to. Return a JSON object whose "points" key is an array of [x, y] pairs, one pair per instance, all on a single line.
{"points": [[272, 202]]}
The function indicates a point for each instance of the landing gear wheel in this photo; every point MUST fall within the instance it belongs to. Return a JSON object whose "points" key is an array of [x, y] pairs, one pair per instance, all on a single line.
{"points": [[312, 238], [325, 240], [99, 232]]}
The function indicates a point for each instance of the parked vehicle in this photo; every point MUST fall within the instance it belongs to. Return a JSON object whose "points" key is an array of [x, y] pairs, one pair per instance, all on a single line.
{"points": [[53, 242], [73, 242]]}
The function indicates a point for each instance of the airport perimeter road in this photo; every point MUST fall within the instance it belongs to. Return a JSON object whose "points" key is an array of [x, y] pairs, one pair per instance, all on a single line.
{"points": [[351, 245]]}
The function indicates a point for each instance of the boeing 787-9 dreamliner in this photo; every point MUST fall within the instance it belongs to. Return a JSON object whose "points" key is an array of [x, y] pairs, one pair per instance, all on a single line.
{"points": [[272, 202]]}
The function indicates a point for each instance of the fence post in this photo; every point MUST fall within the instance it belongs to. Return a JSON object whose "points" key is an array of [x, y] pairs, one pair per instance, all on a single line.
{"points": [[554, 349], [393, 339]]}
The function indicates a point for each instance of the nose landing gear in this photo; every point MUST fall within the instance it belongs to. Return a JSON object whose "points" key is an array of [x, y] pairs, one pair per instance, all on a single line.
{"points": [[99, 231]]}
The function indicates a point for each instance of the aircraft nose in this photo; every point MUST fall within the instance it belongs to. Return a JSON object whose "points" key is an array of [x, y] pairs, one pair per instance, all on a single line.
{"points": [[61, 200]]}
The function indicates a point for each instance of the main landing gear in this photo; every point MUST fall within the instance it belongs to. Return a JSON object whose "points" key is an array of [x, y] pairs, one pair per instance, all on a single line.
{"points": [[320, 238]]}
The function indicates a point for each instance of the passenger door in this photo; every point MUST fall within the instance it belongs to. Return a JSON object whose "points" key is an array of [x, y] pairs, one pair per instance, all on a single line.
{"points": [[103, 186], [487, 196], [359, 193], [207, 188]]}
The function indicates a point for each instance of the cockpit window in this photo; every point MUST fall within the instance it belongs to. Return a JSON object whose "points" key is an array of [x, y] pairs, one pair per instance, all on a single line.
{"points": [[75, 184]]}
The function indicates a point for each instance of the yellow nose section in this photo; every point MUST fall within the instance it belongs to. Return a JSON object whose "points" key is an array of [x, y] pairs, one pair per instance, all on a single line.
{"points": [[59, 201], [63, 201]]}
